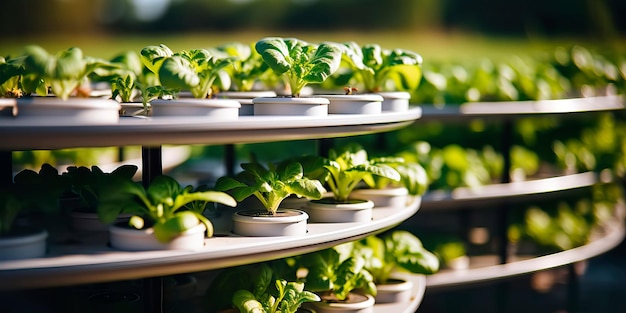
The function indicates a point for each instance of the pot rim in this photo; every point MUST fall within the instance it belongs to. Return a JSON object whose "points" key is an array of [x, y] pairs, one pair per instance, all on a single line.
{"points": [[391, 191], [395, 94], [366, 97], [314, 100], [250, 94], [129, 231], [195, 102], [70, 103], [343, 305], [301, 216], [362, 205]]}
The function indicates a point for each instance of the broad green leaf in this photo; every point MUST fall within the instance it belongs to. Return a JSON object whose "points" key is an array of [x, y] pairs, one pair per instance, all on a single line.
{"points": [[299, 62], [324, 63], [163, 189], [178, 73], [166, 230], [245, 302], [152, 56]]}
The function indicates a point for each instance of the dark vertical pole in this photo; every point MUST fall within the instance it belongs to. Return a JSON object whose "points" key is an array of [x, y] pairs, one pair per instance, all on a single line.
{"points": [[6, 168], [229, 159], [152, 166], [503, 212], [121, 154], [572, 288], [323, 146], [502, 216], [381, 142]]}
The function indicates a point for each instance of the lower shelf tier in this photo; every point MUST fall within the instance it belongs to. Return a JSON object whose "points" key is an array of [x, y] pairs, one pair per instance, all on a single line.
{"points": [[81, 258], [486, 268]]}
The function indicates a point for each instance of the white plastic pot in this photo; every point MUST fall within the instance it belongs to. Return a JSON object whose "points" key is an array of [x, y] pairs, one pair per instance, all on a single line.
{"points": [[395, 101], [222, 109], [304, 106], [125, 238], [23, 246], [327, 211], [354, 104], [56, 111], [259, 223]]}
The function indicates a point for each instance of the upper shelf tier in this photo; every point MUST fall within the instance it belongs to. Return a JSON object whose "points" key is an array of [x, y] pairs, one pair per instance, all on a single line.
{"points": [[516, 109], [20, 135], [89, 261]]}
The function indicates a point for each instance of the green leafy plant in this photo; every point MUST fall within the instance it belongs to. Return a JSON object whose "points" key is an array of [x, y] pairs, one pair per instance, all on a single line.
{"points": [[152, 57], [413, 177], [271, 185], [376, 68], [86, 183], [30, 190], [247, 66], [398, 250], [193, 70], [284, 297], [299, 62], [347, 168], [124, 81], [169, 208], [63, 72], [332, 276], [12, 84], [270, 286]]}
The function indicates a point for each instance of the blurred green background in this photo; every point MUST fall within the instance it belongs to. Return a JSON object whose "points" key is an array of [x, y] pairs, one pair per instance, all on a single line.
{"points": [[435, 29]]}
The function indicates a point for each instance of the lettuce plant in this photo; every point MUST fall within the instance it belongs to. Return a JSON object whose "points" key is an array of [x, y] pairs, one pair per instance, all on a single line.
{"points": [[30, 190], [299, 62], [266, 287], [285, 297], [86, 183], [347, 168], [271, 185], [63, 72], [12, 83], [126, 80], [398, 250], [413, 177], [331, 275], [193, 70], [376, 67], [152, 57], [169, 208], [247, 66]]}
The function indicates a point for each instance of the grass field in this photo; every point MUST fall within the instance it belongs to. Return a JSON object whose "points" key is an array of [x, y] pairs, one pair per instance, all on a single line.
{"points": [[432, 45]]}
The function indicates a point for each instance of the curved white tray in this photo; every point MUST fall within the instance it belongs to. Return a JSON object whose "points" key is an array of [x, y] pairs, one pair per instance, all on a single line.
{"points": [[515, 109], [613, 236], [18, 134], [479, 196], [91, 261]]}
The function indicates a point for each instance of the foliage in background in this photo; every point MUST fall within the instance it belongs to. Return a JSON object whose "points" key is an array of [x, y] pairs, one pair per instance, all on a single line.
{"points": [[567, 224], [555, 74]]}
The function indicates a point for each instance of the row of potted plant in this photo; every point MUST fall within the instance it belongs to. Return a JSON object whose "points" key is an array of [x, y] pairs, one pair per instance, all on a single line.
{"points": [[563, 72], [159, 75], [168, 214], [301, 183], [349, 277]]}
